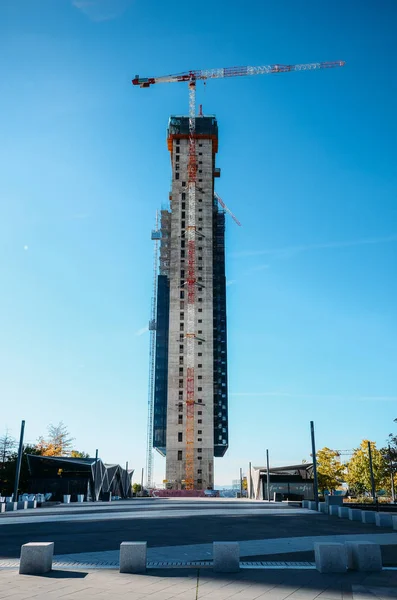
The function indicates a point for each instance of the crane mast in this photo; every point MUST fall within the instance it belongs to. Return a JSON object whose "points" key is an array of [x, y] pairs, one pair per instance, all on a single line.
{"points": [[191, 77]]}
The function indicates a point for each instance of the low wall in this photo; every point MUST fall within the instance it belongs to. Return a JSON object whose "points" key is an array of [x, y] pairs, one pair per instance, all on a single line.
{"points": [[183, 494]]}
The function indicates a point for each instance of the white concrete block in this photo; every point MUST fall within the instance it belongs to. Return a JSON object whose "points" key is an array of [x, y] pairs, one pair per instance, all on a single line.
{"points": [[312, 505], [368, 516], [36, 558], [22, 504], [330, 557], [364, 556], [334, 510], [2, 507], [383, 519], [80, 497], [133, 557], [322, 507], [305, 503], [355, 514], [32, 503], [66, 499], [11, 506], [343, 512], [394, 521], [226, 557]]}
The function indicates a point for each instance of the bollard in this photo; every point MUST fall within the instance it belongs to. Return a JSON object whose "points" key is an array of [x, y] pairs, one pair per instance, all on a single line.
{"points": [[355, 514], [343, 512], [312, 505], [383, 520], [66, 499], [22, 504], [305, 503], [322, 507], [11, 506], [80, 497], [364, 556], [394, 521], [334, 510], [2, 507], [226, 557], [368, 516], [330, 557], [36, 558], [133, 557], [32, 503]]}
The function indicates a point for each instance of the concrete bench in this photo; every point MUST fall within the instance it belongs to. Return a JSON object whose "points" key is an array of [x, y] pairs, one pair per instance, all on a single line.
{"points": [[334, 510], [383, 520], [133, 557], [11, 506], [226, 557], [368, 516], [364, 556], [36, 558], [343, 512], [330, 557], [355, 514], [334, 500]]}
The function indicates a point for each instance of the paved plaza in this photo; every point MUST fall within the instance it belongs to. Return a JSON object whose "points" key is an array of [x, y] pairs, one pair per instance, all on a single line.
{"points": [[87, 539], [184, 529], [198, 584]]}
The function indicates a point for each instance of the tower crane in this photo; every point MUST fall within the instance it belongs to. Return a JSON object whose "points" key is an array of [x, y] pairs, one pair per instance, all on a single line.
{"points": [[190, 236]]}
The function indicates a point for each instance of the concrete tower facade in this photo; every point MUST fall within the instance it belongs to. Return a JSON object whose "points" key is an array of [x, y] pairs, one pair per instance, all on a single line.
{"points": [[210, 419]]}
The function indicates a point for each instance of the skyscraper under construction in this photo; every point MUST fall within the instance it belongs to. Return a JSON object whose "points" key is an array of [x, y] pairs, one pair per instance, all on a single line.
{"points": [[190, 403]]}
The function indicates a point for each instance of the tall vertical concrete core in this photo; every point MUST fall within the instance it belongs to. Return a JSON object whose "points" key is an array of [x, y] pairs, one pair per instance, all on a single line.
{"points": [[210, 354]]}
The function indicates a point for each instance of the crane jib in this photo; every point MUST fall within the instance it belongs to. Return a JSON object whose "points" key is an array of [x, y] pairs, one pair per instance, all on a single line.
{"points": [[233, 72]]}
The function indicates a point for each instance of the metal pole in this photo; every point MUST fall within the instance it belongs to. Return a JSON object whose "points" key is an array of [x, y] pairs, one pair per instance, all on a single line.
{"points": [[96, 473], [142, 482], [249, 482], [372, 472], [315, 482], [19, 461], [267, 476], [241, 483], [126, 483], [393, 492]]}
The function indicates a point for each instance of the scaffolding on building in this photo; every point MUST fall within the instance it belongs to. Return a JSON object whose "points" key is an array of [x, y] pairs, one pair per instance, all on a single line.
{"points": [[156, 236]]}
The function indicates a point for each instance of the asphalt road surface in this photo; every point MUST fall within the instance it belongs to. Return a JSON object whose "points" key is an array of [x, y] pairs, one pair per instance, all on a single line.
{"points": [[162, 522]]}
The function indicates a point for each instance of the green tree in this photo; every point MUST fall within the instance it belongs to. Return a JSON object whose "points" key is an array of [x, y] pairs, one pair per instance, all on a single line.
{"points": [[7, 475], [78, 454], [7, 446], [392, 444], [330, 471], [358, 474], [136, 488]]}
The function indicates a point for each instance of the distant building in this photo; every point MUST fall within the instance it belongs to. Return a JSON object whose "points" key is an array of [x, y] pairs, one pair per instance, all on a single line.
{"points": [[75, 476], [293, 482]]}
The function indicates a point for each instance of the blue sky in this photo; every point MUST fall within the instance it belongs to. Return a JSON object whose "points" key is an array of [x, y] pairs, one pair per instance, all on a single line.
{"points": [[308, 166]]}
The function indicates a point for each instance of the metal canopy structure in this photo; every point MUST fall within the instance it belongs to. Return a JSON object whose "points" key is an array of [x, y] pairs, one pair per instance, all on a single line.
{"points": [[61, 475]]}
